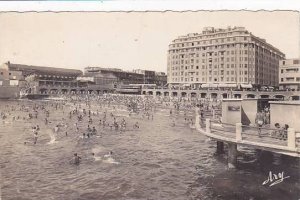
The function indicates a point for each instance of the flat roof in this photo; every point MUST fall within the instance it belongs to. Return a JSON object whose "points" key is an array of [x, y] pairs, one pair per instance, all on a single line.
{"points": [[285, 102]]}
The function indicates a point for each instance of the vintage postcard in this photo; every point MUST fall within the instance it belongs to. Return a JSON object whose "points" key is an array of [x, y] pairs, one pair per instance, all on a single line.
{"points": [[150, 105]]}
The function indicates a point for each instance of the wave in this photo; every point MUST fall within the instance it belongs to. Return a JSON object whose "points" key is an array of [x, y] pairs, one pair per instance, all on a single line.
{"points": [[52, 138]]}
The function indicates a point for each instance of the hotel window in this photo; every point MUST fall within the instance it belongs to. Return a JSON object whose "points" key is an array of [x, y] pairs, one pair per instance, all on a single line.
{"points": [[197, 67], [197, 73], [246, 72], [216, 79], [232, 58], [232, 79], [228, 65], [245, 79], [232, 72], [227, 72], [227, 79], [282, 79], [246, 66], [197, 79]]}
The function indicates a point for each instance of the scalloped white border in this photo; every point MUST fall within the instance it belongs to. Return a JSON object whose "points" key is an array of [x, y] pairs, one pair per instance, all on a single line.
{"points": [[149, 5]]}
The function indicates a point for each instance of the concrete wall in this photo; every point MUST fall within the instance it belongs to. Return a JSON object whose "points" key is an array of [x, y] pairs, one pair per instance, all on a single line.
{"points": [[9, 92], [287, 112], [228, 115]]}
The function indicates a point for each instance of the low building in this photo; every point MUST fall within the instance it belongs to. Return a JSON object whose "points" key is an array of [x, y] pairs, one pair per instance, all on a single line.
{"points": [[160, 79], [289, 74], [37, 79]]}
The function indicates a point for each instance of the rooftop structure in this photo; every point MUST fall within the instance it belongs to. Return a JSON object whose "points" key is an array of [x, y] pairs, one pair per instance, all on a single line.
{"points": [[20, 72]]}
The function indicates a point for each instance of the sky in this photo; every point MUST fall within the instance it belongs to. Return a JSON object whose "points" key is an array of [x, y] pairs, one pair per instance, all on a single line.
{"points": [[127, 40]]}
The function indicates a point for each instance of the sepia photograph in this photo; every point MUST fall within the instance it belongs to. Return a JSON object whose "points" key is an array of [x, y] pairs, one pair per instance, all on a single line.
{"points": [[191, 105]]}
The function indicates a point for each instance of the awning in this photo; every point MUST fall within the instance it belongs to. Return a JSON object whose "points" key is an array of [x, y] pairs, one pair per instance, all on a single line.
{"points": [[209, 85], [246, 85], [227, 85]]}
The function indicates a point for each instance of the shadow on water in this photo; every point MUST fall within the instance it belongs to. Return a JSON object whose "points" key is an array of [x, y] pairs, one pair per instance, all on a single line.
{"points": [[246, 182]]}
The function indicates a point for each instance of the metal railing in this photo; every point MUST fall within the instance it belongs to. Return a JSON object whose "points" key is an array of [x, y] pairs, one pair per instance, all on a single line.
{"points": [[241, 133]]}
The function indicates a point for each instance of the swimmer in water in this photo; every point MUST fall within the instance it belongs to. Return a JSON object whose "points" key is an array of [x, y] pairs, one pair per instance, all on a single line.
{"points": [[76, 159], [108, 155]]}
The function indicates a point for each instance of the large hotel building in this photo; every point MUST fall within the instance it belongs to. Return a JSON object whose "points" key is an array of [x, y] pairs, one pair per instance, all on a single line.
{"points": [[223, 58]]}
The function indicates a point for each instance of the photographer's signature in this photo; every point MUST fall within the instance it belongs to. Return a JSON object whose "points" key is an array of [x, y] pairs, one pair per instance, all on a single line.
{"points": [[274, 179]]}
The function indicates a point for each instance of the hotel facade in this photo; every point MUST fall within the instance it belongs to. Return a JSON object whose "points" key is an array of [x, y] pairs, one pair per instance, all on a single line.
{"points": [[223, 58], [289, 75]]}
